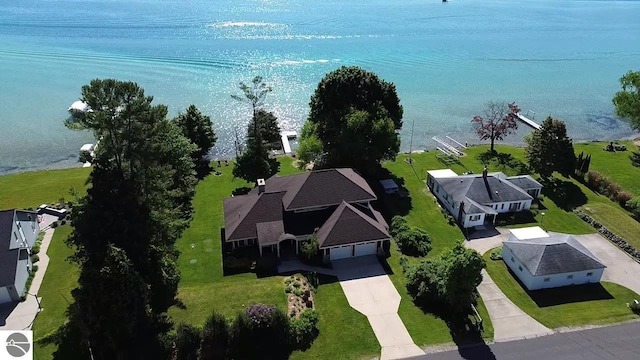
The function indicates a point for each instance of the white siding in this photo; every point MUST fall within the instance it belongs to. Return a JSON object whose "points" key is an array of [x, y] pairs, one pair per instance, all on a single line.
{"points": [[367, 249], [556, 280], [470, 223], [4, 295]]}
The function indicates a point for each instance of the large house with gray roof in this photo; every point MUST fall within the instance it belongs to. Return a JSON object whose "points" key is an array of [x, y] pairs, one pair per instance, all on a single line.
{"points": [[18, 232], [541, 260], [282, 212], [473, 199]]}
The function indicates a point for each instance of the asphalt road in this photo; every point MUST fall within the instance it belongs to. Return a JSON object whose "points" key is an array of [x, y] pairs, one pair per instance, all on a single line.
{"points": [[612, 342]]}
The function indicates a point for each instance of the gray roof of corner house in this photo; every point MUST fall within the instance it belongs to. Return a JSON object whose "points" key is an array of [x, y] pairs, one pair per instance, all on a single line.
{"points": [[348, 225], [524, 182], [8, 258], [474, 187], [320, 188], [270, 232], [553, 255]]}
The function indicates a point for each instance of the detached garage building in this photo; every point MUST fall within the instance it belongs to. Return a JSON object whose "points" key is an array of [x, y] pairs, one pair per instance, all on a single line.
{"points": [[283, 212], [542, 261]]}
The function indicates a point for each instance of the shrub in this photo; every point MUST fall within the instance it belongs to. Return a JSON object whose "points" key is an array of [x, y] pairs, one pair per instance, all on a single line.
{"points": [[634, 206], [309, 249], [35, 248], [298, 292], [54, 224], [398, 225], [496, 254], [215, 337], [623, 197], [62, 222], [304, 329], [414, 242], [260, 315], [187, 342], [296, 284], [288, 290], [34, 269], [35, 258]]}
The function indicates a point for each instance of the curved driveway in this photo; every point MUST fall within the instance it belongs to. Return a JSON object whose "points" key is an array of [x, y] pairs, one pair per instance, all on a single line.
{"points": [[509, 321]]}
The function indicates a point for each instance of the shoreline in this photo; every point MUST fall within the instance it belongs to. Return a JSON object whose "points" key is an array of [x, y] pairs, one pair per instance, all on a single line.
{"points": [[634, 139]]}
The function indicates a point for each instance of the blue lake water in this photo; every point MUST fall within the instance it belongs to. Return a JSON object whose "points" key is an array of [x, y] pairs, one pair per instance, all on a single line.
{"points": [[560, 58]]}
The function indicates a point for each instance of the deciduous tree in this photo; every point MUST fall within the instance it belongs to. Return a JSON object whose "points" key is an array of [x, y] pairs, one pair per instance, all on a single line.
{"points": [[356, 116], [197, 127], [451, 279], [499, 120], [549, 149], [627, 101]]}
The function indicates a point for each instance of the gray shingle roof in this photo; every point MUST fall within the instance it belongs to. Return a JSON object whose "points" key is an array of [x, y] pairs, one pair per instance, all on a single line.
{"points": [[348, 225], [320, 188], [8, 258], [242, 213], [483, 191], [269, 232], [553, 255], [525, 182]]}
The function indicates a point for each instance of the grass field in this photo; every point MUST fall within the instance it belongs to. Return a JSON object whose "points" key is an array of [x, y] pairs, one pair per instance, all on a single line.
{"points": [[616, 165], [60, 279], [32, 189], [592, 304]]}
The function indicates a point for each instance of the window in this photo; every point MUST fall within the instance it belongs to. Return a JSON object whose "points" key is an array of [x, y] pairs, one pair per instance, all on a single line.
{"points": [[513, 260], [474, 217], [589, 274], [520, 268], [569, 276], [502, 206], [547, 279], [241, 243]]}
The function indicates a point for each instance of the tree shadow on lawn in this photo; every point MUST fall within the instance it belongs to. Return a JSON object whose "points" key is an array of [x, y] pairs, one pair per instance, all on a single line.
{"points": [[398, 203], [565, 194], [465, 330], [565, 294], [504, 161]]}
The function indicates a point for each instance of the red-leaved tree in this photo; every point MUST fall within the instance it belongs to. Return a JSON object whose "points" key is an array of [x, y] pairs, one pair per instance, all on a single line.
{"points": [[499, 121]]}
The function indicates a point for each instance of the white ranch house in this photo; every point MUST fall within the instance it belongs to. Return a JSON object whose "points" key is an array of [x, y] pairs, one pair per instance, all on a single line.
{"points": [[473, 199], [541, 260]]}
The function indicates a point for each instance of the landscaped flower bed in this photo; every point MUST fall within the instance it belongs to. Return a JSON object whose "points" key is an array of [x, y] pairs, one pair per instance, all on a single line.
{"points": [[299, 295]]}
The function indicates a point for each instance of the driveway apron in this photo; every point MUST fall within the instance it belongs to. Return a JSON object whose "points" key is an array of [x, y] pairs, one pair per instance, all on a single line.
{"points": [[370, 291]]}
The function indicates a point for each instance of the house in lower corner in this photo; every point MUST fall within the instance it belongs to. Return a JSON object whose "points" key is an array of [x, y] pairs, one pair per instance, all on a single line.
{"points": [[473, 199], [18, 232], [282, 212], [541, 260]]}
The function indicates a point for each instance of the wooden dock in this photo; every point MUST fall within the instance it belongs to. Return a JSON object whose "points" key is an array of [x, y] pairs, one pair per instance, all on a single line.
{"points": [[528, 121]]}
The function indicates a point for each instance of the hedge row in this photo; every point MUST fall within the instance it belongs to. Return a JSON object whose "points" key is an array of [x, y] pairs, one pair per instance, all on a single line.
{"points": [[617, 240]]}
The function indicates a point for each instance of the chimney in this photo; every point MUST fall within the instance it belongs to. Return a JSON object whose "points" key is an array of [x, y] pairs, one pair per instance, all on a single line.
{"points": [[261, 186], [484, 172]]}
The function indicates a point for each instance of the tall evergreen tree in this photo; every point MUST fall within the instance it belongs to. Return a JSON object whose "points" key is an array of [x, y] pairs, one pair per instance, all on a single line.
{"points": [[197, 127], [126, 227], [267, 124], [549, 149]]}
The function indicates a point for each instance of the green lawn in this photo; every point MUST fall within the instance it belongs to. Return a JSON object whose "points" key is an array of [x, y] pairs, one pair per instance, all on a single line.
{"points": [[616, 165], [593, 304], [60, 279], [344, 332], [41, 187]]}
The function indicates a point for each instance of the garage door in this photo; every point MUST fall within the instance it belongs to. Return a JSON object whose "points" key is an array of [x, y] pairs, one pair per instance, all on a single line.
{"points": [[366, 249], [4, 295], [341, 252]]}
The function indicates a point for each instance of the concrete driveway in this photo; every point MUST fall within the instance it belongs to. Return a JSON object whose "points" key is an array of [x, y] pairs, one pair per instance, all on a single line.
{"points": [[621, 269], [509, 321], [370, 291]]}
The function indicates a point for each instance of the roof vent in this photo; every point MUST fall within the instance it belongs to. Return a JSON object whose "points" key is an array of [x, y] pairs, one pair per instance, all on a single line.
{"points": [[261, 186], [496, 192]]}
